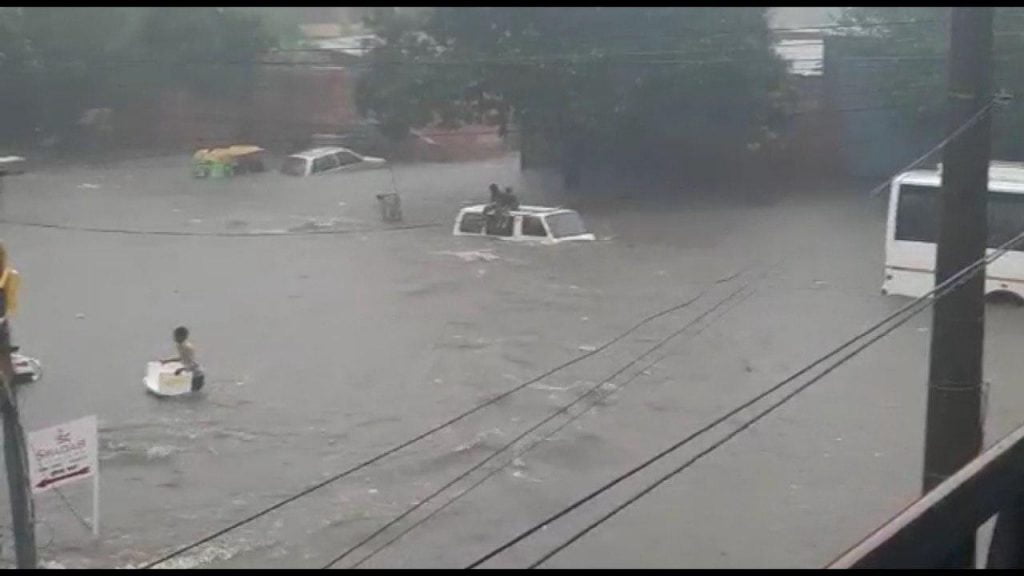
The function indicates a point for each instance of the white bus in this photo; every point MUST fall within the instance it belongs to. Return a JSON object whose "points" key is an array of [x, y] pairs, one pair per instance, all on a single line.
{"points": [[913, 226]]}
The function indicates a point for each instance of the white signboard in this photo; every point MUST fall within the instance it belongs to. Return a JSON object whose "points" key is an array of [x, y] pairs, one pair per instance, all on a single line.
{"points": [[62, 454]]}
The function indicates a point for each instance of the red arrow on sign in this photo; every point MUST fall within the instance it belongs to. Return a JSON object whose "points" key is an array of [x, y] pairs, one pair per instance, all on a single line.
{"points": [[47, 481]]}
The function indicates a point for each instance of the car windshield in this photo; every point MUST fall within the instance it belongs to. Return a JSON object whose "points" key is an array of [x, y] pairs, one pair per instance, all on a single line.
{"points": [[294, 166], [566, 224]]}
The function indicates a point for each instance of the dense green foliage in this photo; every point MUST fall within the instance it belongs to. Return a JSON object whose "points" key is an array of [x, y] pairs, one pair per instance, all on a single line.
{"points": [[629, 85], [58, 62]]}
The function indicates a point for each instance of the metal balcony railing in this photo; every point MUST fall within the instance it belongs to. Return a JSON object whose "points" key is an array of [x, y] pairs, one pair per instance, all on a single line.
{"points": [[939, 529]]}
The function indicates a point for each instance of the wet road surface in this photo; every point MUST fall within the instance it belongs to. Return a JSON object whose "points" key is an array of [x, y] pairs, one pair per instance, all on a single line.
{"points": [[322, 350]]}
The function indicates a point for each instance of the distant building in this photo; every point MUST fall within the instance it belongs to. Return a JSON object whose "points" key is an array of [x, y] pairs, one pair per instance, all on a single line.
{"points": [[808, 145], [803, 51], [802, 16], [353, 46]]}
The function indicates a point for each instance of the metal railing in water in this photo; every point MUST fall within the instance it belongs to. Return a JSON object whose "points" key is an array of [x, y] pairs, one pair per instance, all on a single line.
{"points": [[932, 532]]}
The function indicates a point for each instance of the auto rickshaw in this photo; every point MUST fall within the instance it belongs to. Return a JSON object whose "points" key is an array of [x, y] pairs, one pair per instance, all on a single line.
{"points": [[227, 162]]}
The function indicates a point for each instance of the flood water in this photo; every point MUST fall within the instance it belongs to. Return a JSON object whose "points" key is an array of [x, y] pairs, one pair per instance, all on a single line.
{"points": [[328, 337]]}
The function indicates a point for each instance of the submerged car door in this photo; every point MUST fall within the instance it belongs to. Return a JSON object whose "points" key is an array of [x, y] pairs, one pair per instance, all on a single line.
{"points": [[348, 161], [324, 163], [533, 227]]}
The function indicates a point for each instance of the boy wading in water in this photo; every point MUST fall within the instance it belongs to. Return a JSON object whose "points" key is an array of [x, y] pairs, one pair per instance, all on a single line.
{"points": [[187, 357]]}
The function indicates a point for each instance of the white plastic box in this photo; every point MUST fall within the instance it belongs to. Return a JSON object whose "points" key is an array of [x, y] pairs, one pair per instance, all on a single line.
{"points": [[161, 380]]}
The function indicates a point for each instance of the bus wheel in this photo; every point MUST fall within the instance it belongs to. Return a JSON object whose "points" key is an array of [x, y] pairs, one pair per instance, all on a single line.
{"points": [[1004, 297]]}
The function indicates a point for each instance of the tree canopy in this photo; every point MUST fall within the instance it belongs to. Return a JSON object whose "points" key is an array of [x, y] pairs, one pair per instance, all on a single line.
{"points": [[56, 62], [633, 84]]}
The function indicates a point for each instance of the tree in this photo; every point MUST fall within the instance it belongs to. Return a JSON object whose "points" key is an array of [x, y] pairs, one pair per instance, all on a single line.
{"points": [[915, 43], [652, 86], [403, 87], [58, 62], [16, 70], [214, 51]]}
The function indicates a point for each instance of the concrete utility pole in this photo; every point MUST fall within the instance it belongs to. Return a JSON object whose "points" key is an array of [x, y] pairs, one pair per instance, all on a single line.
{"points": [[15, 454], [953, 431]]}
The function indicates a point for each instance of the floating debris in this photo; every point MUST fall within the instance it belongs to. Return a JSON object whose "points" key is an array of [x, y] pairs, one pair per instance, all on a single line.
{"points": [[523, 476], [312, 224], [159, 452], [473, 255]]}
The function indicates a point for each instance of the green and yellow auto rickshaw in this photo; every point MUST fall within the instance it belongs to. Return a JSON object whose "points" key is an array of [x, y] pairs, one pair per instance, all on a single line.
{"points": [[229, 161]]}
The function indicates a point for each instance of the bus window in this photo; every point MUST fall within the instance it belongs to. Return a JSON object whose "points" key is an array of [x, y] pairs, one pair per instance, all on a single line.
{"points": [[1005, 217], [917, 215], [917, 218]]}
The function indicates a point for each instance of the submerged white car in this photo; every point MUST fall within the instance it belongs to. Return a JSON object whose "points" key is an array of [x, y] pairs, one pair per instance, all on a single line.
{"points": [[529, 224], [328, 159]]}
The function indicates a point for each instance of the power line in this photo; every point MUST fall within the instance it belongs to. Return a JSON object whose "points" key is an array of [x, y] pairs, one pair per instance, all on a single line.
{"points": [[712, 448], [199, 234], [773, 31], [972, 269], [294, 233], [212, 116], [675, 58], [355, 127], [942, 144], [209, 140], [532, 445], [615, 481], [528, 431], [423, 435], [925, 298], [289, 233], [674, 34], [861, 26], [598, 54], [522, 59]]}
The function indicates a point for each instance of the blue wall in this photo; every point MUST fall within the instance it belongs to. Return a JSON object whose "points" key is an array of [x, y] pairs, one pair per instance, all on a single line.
{"points": [[873, 142]]}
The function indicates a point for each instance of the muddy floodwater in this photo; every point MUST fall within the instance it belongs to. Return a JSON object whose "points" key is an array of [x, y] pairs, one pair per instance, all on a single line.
{"points": [[328, 336]]}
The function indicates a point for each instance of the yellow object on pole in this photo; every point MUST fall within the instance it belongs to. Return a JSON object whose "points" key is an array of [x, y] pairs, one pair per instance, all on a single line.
{"points": [[15, 449], [10, 282]]}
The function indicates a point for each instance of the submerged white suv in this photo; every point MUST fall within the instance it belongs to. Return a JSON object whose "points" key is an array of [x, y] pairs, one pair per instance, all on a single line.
{"points": [[529, 224]]}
